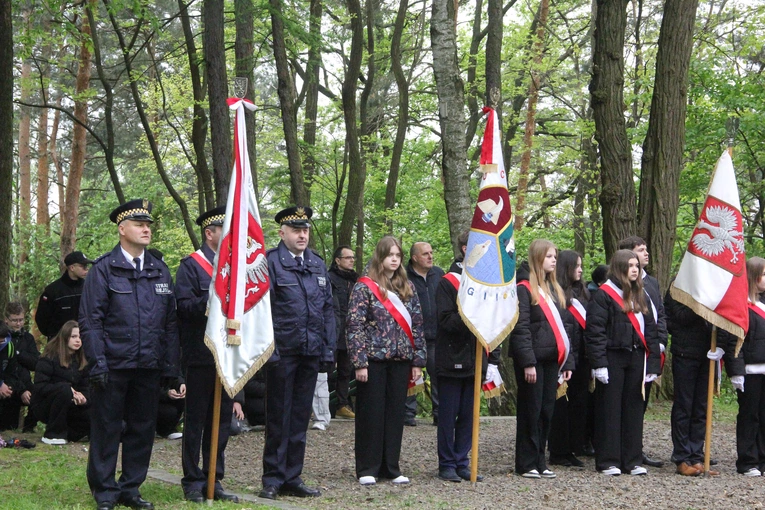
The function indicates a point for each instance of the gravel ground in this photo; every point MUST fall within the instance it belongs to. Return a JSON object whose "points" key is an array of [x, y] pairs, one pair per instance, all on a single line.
{"points": [[329, 465]]}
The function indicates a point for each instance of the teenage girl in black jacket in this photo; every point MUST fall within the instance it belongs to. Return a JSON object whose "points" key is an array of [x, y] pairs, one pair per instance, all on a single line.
{"points": [[60, 395], [622, 359], [568, 434], [537, 356]]}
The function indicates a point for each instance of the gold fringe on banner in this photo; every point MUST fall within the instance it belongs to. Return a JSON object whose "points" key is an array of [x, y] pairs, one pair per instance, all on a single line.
{"points": [[709, 315]]}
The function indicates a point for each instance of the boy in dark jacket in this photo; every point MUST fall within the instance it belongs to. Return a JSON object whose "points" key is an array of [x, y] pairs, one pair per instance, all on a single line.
{"points": [[455, 367], [26, 355]]}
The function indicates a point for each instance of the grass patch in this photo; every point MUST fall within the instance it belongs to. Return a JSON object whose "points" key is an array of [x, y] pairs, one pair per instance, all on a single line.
{"points": [[46, 478]]}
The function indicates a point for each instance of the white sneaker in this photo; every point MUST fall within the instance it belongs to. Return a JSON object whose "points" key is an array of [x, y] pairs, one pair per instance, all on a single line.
{"points": [[175, 435], [318, 426], [531, 474], [639, 470], [548, 474], [367, 480], [58, 441], [752, 472], [612, 471], [400, 480]]}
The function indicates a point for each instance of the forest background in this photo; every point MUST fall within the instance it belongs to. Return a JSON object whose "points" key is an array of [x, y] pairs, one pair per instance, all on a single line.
{"points": [[612, 113]]}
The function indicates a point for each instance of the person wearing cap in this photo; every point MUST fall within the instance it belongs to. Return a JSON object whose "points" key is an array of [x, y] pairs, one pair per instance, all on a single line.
{"points": [[128, 326], [304, 336], [60, 301], [192, 282]]}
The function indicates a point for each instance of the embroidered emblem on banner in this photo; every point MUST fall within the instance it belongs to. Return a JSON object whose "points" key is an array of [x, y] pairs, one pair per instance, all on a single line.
{"points": [[719, 236]]}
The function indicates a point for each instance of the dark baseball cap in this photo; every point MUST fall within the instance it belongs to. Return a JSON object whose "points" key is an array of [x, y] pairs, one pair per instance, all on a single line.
{"points": [[76, 257]]}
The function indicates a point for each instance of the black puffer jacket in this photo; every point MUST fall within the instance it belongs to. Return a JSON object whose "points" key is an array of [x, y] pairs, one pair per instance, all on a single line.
{"points": [[609, 328], [532, 339], [455, 343], [342, 285], [753, 350], [50, 375]]}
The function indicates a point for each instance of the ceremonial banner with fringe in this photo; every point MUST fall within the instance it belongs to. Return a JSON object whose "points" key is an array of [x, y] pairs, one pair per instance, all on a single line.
{"points": [[239, 331], [487, 298], [712, 276]]}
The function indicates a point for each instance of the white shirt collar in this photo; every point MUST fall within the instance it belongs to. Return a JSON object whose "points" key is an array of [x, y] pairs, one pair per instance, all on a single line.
{"points": [[129, 257]]}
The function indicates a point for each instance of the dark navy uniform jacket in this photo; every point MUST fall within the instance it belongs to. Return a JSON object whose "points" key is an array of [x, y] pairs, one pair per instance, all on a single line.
{"points": [[192, 284], [128, 321], [301, 305]]}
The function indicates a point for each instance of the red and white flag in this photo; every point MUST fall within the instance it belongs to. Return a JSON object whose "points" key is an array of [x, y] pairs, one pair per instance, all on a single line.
{"points": [[487, 297], [239, 331], [712, 276]]}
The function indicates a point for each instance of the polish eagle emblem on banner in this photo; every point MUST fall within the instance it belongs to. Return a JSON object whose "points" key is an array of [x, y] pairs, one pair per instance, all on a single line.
{"points": [[256, 270], [719, 236]]}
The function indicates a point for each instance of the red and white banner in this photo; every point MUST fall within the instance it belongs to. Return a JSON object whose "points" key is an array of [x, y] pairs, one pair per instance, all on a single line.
{"points": [[239, 331], [712, 276], [487, 297]]}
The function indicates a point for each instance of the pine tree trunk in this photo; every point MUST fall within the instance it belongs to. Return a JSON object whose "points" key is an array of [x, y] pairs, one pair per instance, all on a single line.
{"points": [[25, 159], [6, 147], [664, 143], [617, 197]]}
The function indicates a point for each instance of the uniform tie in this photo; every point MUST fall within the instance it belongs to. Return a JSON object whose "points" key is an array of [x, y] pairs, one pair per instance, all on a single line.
{"points": [[137, 261], [299, 261]]}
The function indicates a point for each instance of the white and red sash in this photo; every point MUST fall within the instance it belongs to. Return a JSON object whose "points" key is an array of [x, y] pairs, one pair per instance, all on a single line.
{"points": [[757, 308], [556, 324], [579, 312], [637, 319], [454, 279], [394, 305], [200, 258]]}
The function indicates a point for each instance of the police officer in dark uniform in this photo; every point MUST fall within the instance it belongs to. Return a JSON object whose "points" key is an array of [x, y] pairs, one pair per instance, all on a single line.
{"points": [[129, 331], [304, 334], [192, 282], [60, 301]]}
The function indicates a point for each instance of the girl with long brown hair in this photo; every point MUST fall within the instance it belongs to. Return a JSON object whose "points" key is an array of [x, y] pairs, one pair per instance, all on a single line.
{"points": [[623, 350], [540, 348], [60, 396], [386, 345]]}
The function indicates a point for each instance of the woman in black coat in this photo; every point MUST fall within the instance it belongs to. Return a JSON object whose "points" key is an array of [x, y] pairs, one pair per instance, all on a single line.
{"points": [[540, 349], [568, 433], [623, 350], [60, 395]]}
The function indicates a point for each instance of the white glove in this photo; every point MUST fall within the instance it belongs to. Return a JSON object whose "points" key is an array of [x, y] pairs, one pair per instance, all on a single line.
{"points": [[738, 382], [716, 355], [492, 373], [601, 374], [662, 348], [650, 377]]}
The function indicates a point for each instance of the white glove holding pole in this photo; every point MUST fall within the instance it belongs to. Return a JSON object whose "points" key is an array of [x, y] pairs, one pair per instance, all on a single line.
{"points": [[650, 377], [738, 382], [601, 374], [716, 355]]}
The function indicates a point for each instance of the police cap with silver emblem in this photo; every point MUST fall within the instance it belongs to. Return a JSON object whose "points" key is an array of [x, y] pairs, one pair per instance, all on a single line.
{"points": [[212, 217], [296, 216], [137, 210]]}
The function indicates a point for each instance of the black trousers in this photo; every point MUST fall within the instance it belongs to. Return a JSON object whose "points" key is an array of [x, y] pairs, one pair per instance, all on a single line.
{"points": [[343, 382], [197, 429], [455, 424], [289, 392], [169, 414], [619, 412], [750, 424], [536, 403], [568, 431], [130, 396], [411, 402], [10, 409], [380, 419], [689, 409], [63, 419]]}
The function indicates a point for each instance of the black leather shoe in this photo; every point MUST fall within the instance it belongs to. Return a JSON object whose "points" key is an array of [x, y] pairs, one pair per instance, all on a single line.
{"points": [[300, 490], [220, 495], [574, 461], [136, 502], [194, 497], [648, 461], [588, 450], [410, 422], [105, 505], [269, 492], [464, 473], [560, 460], [449, 474]]}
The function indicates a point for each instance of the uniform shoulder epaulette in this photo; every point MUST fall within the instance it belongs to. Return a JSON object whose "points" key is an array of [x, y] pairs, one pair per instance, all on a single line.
{"points": [[102, 256], [272, 250], [317, 255]]}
